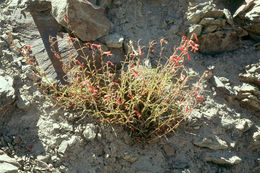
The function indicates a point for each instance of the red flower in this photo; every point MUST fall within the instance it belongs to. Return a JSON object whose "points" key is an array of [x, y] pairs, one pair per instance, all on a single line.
{"points": [[115, 83], [195, 36], [30, 47], [98, 46], [138, 114], [194, 46], [107, 97], [132, 54], [188, 55], [130, 96], [88, 43], [56, 55], [140, 50], [182, 77], [187, 108], [109, 62], [163, 41], [108, 53], [77, 77], [93, 90], [172, 58], [136, 73], [80, 63], [119, 101]]}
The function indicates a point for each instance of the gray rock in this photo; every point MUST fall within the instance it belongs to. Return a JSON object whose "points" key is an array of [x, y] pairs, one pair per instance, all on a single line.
{"points": [[7, 92], [195, 29], [169, 150], [220, 87], [210, 28], [114, 40], [249, 94], [83, 18], [73, 141], [90, 132], [212, 21], [174, 29], [8, 168], [256, 139], [223, 159], [219, 41], [248, 17], [129, 158], [252, 74], [5, 158], [23, 103], [243, 124], [213, 142], [63, 147]]}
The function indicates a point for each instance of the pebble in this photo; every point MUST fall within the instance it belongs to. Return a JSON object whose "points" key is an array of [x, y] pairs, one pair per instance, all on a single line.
{"points": [[90, 132], [169, 151], [223, 159], [114, 40], [213, 142]]}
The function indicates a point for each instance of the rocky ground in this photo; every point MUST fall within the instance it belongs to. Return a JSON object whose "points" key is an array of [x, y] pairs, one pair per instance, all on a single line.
{"points": [[222, 135]]}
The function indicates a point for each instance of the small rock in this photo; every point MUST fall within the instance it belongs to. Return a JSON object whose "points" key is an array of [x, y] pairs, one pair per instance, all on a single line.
{"points": [[210, 28], [196, 29], [114, 40], [3, 44], [23, 103], [17, 140], [207, 21], [8, 168], [212, 142], [243, 124], [222, 160], [90, 132], [54, 159], [248, 88], [174, 29], [74, 140], [6, 159], [63, 147], [55, 126], [169, 151], [43, 158], [220, 86], [129, 158], [256, 139]]}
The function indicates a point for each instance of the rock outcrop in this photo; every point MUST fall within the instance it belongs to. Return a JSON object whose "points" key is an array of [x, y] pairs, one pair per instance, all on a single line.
{"points": [[249, 93], [248, 17], [214, 27]]}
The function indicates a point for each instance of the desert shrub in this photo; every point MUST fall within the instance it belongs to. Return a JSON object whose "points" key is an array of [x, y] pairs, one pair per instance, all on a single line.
{"points": [[149, 102]]}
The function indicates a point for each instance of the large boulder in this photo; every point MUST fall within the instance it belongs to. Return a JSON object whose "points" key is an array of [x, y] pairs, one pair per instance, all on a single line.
{"points": [[83, 18], [248, 16]]}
